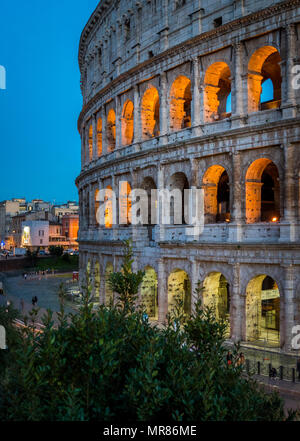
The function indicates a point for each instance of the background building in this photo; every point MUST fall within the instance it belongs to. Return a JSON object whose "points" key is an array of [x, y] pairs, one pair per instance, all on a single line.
{"points": [[175, 97]]}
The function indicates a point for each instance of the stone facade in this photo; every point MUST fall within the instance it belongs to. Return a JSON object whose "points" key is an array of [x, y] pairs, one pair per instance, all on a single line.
{"points": [[156, 77]]}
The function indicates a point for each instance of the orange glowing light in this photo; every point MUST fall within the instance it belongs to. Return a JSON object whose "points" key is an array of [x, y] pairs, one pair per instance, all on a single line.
{"points": [[274, 219]]}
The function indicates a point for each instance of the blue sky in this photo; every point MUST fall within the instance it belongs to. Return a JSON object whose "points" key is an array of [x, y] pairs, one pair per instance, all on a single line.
{"points": [[39, 141]]}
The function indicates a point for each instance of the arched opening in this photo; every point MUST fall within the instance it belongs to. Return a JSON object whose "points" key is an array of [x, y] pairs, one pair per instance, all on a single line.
{"points": [[217, 83], [109, 295], [149, 293], [127, 123], [90, 143], [150, 113], [216, 295], [108, 214], [262, 192], [125, 203], [111, 130], [99, 137], [216, 195], [97, 282], [179, 289], [263, 310], [178, 205], [180, 104], [263, 68]]}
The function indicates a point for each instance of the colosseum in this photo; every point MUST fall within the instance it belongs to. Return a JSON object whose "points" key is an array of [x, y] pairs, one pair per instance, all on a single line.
{"points": [[181, 94]]}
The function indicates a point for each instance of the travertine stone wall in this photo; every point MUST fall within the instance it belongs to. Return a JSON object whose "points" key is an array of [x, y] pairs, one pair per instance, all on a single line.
{"points": [[162, 57]]}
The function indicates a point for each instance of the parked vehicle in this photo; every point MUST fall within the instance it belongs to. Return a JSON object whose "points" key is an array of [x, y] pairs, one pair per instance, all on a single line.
{"points": [[20, 252]]}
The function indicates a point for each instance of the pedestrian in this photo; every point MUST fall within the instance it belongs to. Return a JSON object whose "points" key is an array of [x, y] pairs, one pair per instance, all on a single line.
{"points": [[241, 359], [229, 358], [33, 301], [25, 276], [298, 368]]}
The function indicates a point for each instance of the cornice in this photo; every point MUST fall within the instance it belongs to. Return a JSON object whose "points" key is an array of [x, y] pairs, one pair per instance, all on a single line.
{"points": [[216, 32]]}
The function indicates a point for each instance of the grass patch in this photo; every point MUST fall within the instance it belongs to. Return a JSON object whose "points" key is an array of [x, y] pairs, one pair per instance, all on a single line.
{"points": [[57, 263]]}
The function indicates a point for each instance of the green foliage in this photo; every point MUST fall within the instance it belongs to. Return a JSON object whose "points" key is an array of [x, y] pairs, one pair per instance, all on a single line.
{"points": [[112, 364], [126, 282]]}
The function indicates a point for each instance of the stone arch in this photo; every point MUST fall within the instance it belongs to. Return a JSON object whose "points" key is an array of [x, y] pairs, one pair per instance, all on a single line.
{"points": [[99, 137], [216, 295], [109, 295], [90, 143], [178, 181], [148, 184], [149, 293], [264, 64], [262, 192], [217, 87], [127, 123], [125, 203], [97, 281], [216, 194], [150, 113], [180, 103], [263, 310], [179, 288], [108, 215], [111, 130]]}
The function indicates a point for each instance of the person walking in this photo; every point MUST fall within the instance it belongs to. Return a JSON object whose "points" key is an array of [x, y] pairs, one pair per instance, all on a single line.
{"points": [[229, 358]]}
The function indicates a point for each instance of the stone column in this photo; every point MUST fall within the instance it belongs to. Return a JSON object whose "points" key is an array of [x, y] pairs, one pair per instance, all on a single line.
{"points": [[254, 91], [288, 225], [288, 308], [91, 206], [163, 108], [194, 281], [201, 86], [136, 115], [94, 125], [162, 292], [236, 218], [237, 307], [195, 111], [289, 107], [118, 122], [82, 148], [104, 123], [196, 21], [237, 96], [160, 186]]}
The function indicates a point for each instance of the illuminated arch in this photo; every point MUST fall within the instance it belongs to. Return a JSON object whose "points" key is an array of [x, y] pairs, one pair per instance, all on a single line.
{"points": [[150, 113], [99, 137], [217, 87], [264, 64], [216, 295], [96, 203], [111, 130], [127, 123], [149, 293], [180, 103], [108, 215], [216, 195], [263, 310], [125, 203], [262, 192], [179, 288], [97, 281]]}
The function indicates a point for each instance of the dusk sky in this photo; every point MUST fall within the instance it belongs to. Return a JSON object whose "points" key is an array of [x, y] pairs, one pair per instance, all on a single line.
{"points": [[40, 144]]}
